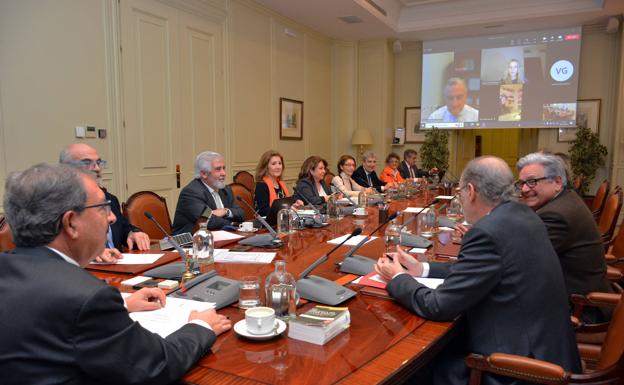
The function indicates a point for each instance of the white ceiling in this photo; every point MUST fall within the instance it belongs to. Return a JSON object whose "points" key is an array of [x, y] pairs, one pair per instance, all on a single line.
{"points": [[410, 20]]}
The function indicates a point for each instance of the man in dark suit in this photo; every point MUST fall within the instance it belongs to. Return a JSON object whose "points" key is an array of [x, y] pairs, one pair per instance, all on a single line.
{"points": [[207, 197], [506, 284], [61, 324], [408, 168], [571, 226], [121, 233], [366, 176]]}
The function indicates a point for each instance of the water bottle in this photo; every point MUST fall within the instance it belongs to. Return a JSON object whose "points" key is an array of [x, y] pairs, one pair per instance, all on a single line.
{"points": [[280, 292], [203, 245], [392, 236], [286, 221], [362, 199], [333, 210]]}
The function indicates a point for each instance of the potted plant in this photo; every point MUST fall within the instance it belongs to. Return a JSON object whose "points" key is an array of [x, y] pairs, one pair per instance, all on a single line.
{"points": [[434, 151], [586, 156]]}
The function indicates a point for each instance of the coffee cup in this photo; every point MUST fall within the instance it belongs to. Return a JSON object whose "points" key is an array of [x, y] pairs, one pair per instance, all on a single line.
{"points": [[260, 320], [246, 226], [359, 211]]}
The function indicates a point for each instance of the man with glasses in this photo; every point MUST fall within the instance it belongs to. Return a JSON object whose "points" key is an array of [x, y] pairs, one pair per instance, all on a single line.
{"points": [[121, 233], [61, 324], [506, 283], [571, 227], [456, 109]]}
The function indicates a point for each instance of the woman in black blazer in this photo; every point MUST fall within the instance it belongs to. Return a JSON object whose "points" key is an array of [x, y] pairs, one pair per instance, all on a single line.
{"points": [[311, 184]]}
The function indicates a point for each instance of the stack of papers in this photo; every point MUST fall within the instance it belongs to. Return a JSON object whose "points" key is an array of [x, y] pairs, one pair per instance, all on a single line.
{"points": [[415, 210], [221, 235], [133, 259], [244, 257]]}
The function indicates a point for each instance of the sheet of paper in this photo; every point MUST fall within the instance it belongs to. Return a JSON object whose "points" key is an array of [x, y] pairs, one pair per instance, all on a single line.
{"points": [[351, 242], [418, 250], [444, 228], [133, 259], [306, 212], [429, 282], [448, 197], [244, 257], [135, 281], [221, 235], [415, 210], [170, 318]]}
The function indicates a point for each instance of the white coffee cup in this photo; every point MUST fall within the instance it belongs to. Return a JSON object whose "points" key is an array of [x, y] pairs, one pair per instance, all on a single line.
{"points": [[260, 320], [246, 226], [360, 211]]}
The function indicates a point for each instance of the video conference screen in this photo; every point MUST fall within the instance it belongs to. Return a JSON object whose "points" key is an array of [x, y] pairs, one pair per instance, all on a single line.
{"points": [[514, 80]]}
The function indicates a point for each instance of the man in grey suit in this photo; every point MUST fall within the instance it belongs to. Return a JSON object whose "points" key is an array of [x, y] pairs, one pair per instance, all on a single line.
{"points": [[506, 284], [570, 224], [207, 197], [61, 324]]}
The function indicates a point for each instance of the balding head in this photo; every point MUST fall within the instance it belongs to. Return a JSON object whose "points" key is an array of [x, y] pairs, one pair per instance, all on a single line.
{"points": [[85, 157], [491, 177]]}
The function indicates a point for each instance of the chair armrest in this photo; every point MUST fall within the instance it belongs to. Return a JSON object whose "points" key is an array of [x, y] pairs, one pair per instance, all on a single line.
{"points": [[613, 273], [519, 367], [610, 258], [595, 299]]}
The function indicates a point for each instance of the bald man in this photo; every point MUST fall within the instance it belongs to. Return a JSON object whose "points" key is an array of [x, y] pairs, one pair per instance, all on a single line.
{"points": [[121, 232], [456, 109]]}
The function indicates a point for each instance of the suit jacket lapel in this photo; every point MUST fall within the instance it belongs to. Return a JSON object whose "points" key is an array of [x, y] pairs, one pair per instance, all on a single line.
{"points": [[207, 195]]}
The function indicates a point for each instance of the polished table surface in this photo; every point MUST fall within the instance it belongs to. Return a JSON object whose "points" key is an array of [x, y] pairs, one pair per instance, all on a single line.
{"points": [[385, 342]]}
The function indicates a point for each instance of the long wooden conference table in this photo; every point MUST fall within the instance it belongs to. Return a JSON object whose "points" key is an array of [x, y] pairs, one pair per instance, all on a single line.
{"points": [[385, 343]]}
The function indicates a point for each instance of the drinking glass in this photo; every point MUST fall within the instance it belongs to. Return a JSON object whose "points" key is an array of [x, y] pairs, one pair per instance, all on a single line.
{"points": [[249, 294]]}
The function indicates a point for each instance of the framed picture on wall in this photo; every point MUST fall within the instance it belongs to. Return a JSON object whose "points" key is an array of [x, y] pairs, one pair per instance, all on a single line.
{"points": [[587, 115], [291, 119], [411, 120]]}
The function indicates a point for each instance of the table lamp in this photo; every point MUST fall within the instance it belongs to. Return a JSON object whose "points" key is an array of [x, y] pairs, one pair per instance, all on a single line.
{"points": [[362, 137]]}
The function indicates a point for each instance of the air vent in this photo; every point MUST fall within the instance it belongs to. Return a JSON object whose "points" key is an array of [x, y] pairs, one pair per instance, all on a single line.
{"points": [[377, 7], [351, 19]]}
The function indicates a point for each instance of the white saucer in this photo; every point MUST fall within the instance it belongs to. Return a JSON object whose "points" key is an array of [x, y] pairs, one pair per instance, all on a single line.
{"points": [[360, 215], [241, 329], [248, 231]]}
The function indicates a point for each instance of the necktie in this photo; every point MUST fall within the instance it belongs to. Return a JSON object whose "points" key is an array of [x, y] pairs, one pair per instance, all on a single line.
{"points": [[370, 182], [412, 175], [109, 239], [217, 199]]}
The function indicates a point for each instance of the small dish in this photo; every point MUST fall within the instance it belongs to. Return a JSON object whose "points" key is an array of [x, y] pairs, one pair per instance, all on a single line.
{"points": [[241, 329], [247, 231]]}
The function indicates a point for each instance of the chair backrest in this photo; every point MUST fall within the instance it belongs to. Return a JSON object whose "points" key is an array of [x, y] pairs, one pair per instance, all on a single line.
{"points": [[241, 191], [617, 248], [613, 346], [141, 202], [246, 179], [600, 198], [610, 214], [6, 239], [577, 183], [328, 178]]}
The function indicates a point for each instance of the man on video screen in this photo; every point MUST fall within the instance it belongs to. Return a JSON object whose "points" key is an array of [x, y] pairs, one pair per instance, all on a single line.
{"points": [[456, 109]]}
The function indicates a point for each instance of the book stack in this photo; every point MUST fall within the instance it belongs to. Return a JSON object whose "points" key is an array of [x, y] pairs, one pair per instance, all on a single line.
{"points": [[319, 324]]}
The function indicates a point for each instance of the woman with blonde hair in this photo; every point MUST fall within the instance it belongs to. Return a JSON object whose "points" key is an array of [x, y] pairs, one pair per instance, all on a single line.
{"points": [[269, 183]]}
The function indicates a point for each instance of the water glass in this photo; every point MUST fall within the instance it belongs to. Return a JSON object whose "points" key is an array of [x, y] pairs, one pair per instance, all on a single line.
{"points": [[427, 223], [392, 236], [249, 294]]}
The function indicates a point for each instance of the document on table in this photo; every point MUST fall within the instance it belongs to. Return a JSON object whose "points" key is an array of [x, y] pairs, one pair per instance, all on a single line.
{"points": [[133, 259], [415, 210], [351, 242], [431, 283], [445, 197], [170, 318], [244, 257], [221, 235]]}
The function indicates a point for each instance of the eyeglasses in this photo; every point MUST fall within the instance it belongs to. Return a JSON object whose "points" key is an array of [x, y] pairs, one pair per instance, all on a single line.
{"points": [[106, 205], [531, 183], [88, 163]]}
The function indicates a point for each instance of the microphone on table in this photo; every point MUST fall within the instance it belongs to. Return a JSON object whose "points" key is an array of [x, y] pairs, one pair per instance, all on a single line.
{"points": [[320, 289], [315, 222], [173, 270], [411, 240], [358, 264], [270, 240]]}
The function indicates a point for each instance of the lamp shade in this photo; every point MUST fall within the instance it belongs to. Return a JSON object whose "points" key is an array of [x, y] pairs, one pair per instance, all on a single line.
{"points": [[362, 137]]}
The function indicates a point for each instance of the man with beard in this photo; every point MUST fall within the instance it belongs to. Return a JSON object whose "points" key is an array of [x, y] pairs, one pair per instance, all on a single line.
{"points": [[207, 197]]}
